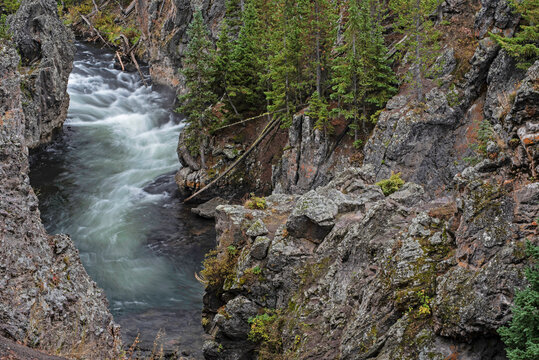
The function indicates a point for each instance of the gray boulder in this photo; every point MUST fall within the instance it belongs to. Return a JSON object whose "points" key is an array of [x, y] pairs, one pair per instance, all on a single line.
{"points": [[207, 210], [313, 217]]}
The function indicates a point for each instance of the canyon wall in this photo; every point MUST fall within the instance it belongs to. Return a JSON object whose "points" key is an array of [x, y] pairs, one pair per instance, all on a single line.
{"points": [[47, 300]]}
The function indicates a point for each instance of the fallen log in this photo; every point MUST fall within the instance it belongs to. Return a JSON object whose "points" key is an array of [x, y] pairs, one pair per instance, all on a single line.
{"points": [[267, 129], [94, 30]]}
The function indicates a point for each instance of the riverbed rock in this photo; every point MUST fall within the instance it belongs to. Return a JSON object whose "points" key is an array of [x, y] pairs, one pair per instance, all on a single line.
{"points": [[207, 210], [46, 48]]}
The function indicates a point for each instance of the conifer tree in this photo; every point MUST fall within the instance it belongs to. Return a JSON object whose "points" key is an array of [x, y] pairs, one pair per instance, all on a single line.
{"points": [[324, 21], [363, 80], [420, 45], [289, 62], [318, 110], [199, 79], [245, 87], [521, 337], [226, 43], [524, 46]]}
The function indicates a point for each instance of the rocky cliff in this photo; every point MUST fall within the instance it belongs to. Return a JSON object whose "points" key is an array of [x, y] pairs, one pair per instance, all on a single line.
{"points": [[47, 299], [429, 271], [164, 27], [46, 51]]}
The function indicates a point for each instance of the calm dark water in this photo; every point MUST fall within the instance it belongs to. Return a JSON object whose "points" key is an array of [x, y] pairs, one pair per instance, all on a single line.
{"points": [[108, 182]]}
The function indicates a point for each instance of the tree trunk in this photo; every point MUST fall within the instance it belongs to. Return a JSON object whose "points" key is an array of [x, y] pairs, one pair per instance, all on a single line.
{"points": [[418, 65], [318, 64]]}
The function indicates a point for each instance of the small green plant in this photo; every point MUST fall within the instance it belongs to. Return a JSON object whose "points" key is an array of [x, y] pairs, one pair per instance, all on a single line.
{"points": [[5, 32], [260, 327], [257, 270], [358, 143], [9, 6], [452, 96], [521, 337], [389, 186], [219, 267], [485, 133], [256, 203]]}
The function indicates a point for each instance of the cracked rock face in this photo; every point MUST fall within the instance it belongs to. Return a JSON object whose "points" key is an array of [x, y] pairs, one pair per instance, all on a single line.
{"points": [[47, 50]]}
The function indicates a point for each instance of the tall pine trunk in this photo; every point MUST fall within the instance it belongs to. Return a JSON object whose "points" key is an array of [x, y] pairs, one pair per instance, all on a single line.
{"points": [[418, 65]]}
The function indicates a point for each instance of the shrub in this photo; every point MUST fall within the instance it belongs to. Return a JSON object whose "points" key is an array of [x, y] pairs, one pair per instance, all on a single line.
{"points": [[219, 267], [255, 203], [266, 331], [521, 337], [389, 186]]}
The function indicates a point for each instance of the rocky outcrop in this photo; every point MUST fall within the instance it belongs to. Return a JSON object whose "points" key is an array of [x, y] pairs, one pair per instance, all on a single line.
{"points": [[403, 276], [46, 49], [47, 300], [164, 25], [310, 157]]}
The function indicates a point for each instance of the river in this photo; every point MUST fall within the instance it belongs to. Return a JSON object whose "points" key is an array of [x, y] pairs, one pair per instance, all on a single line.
{"points": [[108, 182]]}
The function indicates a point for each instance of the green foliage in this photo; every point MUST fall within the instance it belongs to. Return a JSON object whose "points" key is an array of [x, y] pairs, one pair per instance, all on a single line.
{"points": [[318, 110], [5, 32], [423, 308], [260, 327], [363, 81], [421, 45], [239, 58], [8, 7], [521, 337], [524, 45], [389, 186], [256, 203], [219, 267], [266, 331], [485, 133], [198, 71]]}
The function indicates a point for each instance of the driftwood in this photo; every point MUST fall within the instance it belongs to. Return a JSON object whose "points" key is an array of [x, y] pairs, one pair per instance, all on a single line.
{"points": [[249, 119], [269, 127], [120, 60], [129, 9], [129, 52], [94, 30]]}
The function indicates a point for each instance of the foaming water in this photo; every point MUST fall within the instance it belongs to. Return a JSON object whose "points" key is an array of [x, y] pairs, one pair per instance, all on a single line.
{"points": [[97, 184]]}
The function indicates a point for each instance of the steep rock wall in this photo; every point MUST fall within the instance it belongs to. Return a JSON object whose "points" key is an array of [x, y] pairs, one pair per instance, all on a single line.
{"points": [[46, 48], [47, 300], [164, 25]]}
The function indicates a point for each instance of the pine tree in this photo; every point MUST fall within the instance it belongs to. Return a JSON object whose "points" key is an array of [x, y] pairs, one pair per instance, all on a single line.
{"points": [[323, 26], [199, 79], [363, 81], [289, 73], [420, 45], [524, 46], [318, 111], [226, 43], [245, 87], [522, 336]]}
